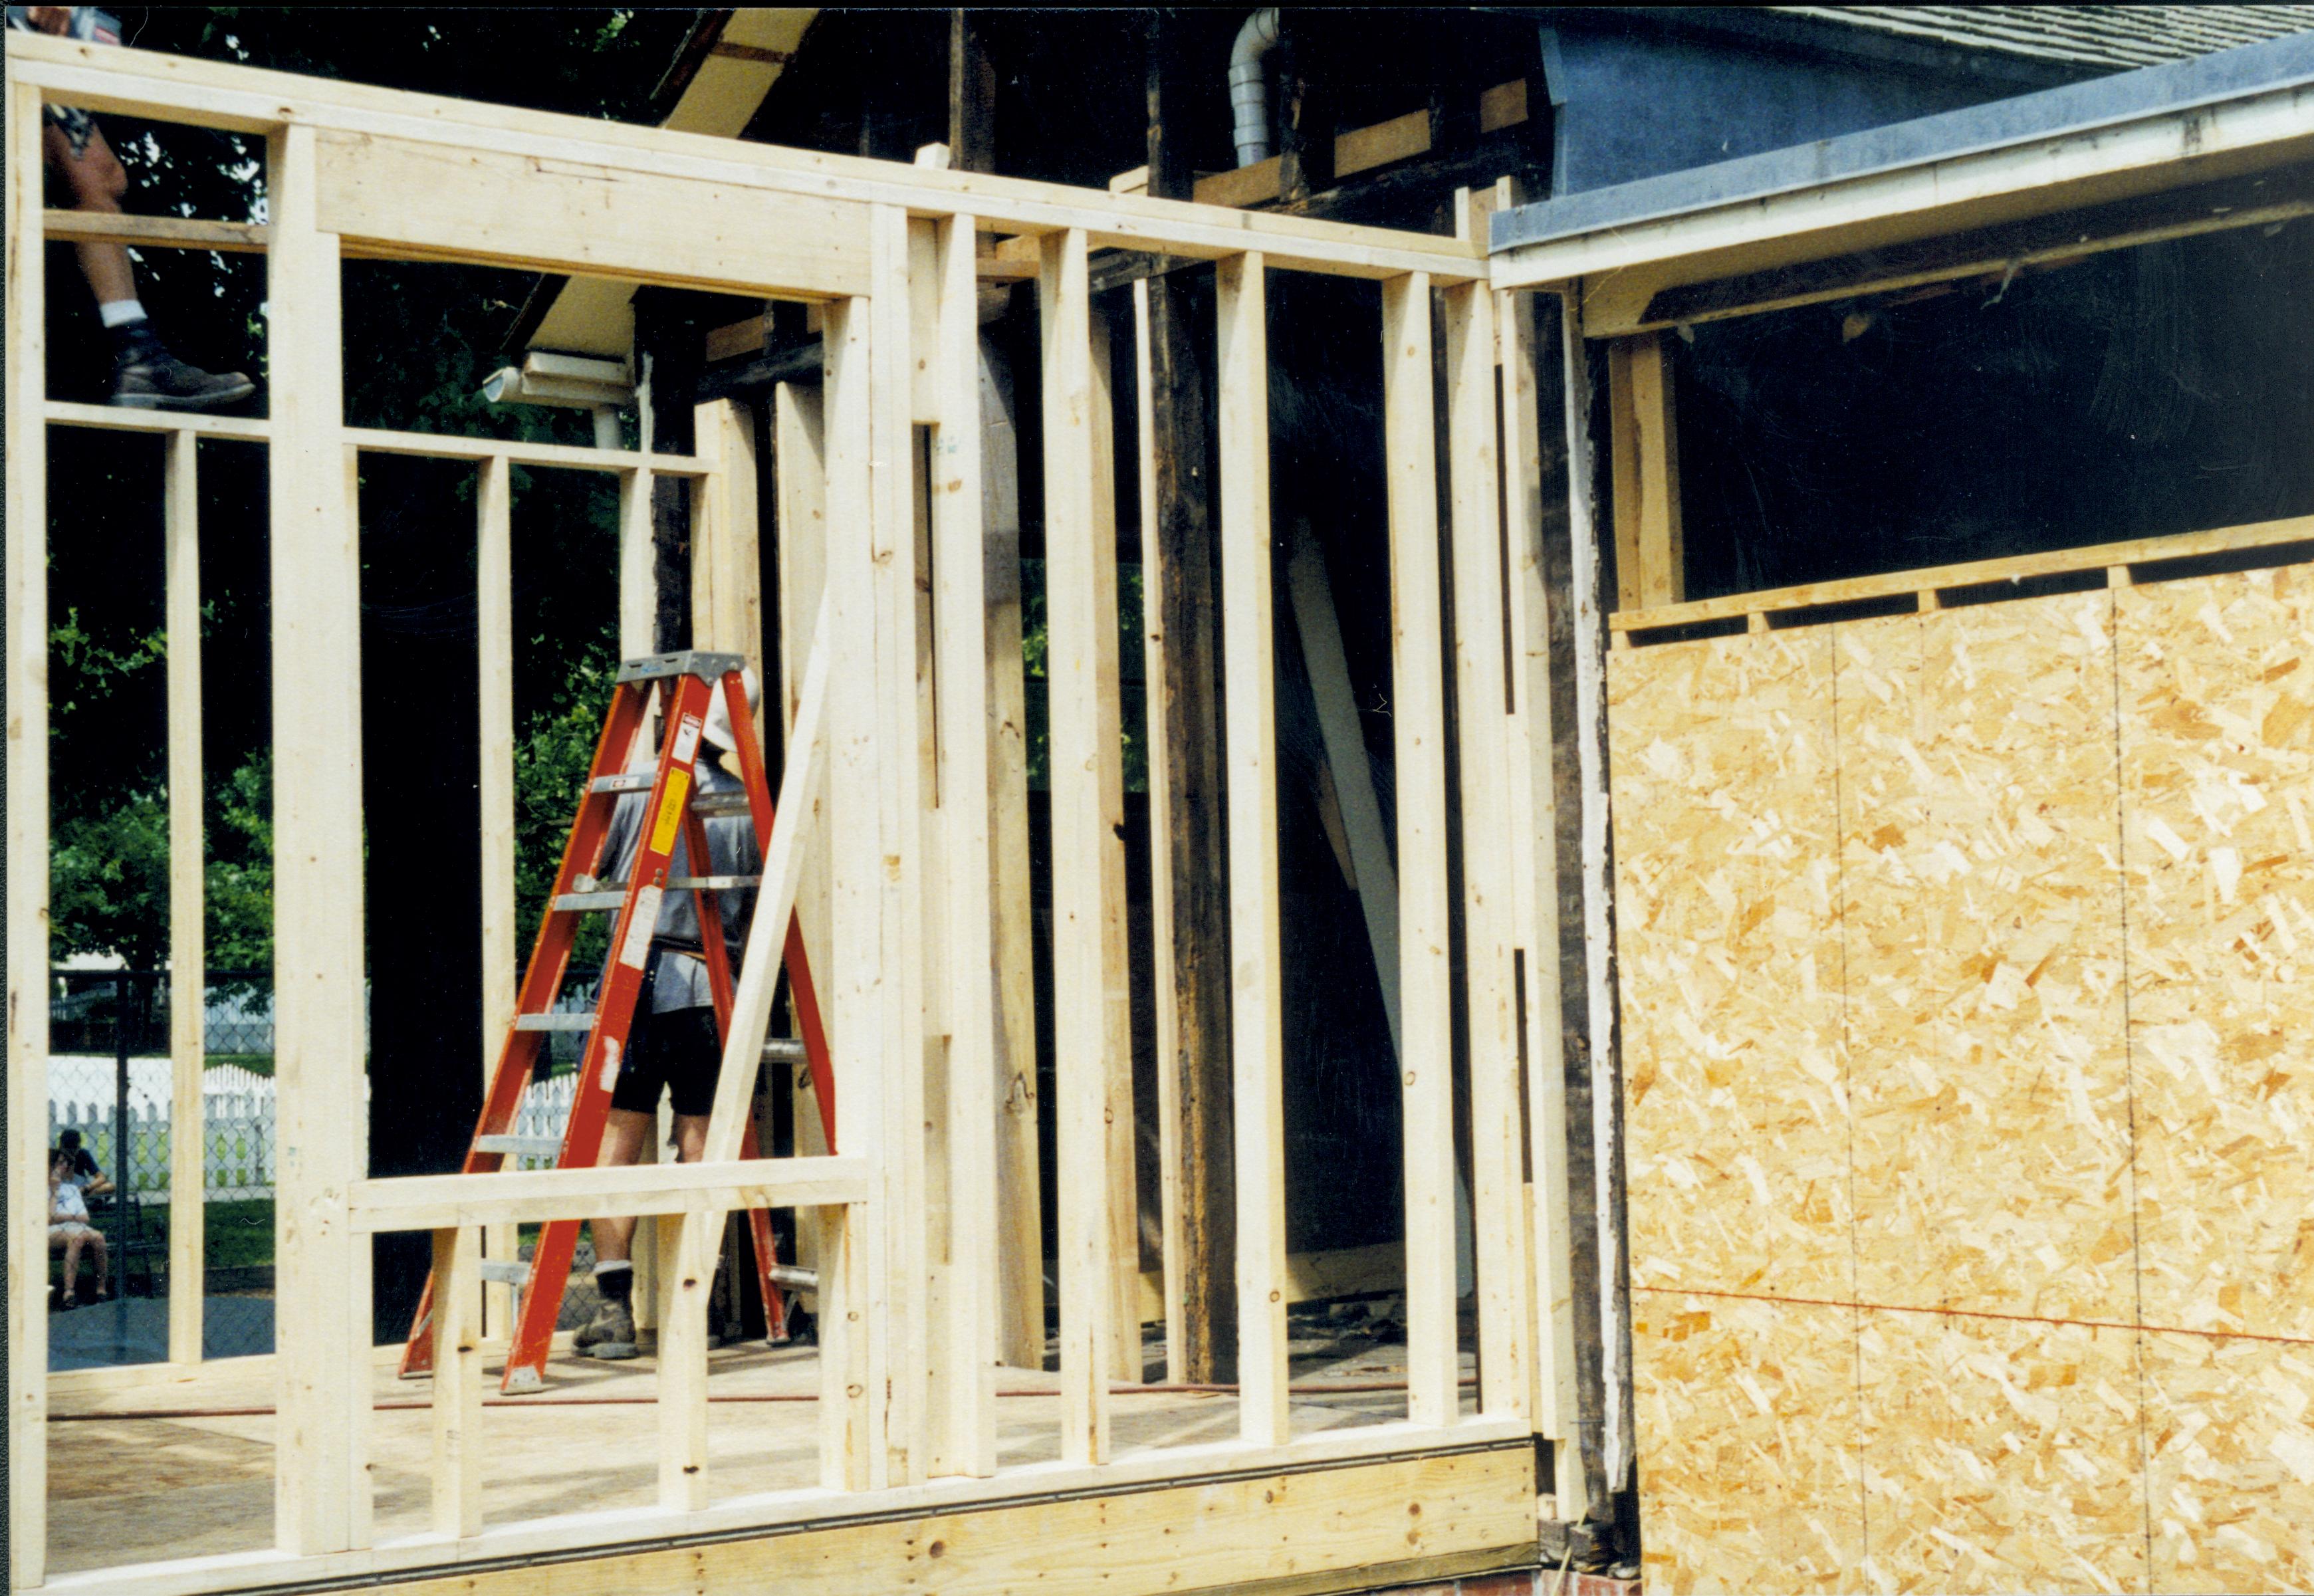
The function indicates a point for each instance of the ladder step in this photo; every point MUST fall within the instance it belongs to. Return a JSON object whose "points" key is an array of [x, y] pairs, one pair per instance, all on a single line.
{"points": [[521, 1147], [710, 883], [793, 1278], [504, 1270], [554, 1022], [639, 781], [709, 805], [710, 668], [588, 902], [784, 1050]]}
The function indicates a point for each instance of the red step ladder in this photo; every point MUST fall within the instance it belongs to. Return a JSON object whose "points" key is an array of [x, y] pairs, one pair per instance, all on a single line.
{"points": [[673, 807]]}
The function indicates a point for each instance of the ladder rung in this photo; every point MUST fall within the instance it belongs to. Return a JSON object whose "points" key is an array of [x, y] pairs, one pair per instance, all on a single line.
{"points": [[708, 805], [710, 883], [504, 1270], [588, 902], [521, 1147], [638, 781], [795, 1279], [784, 1050], [710, 668], [554, 1022]]}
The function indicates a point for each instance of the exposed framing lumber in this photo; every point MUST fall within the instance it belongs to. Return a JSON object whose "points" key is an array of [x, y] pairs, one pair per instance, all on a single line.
{"points": [[1929, 582], [180, 506], [61, 412], [1418, 721], [28, 840], [1020, 1251], [531, 1196], [900, 875], [800, 486], [252, 100], [1534, 824], [1076, 525], [426, 200], [1483, 735], [853, 1247], [1650, 552], [458, 1383], [494, 649], [1349, 1519], [322, 1496], [1256, 1028], [1172, 1243], [965, 1421], [167, 233]]}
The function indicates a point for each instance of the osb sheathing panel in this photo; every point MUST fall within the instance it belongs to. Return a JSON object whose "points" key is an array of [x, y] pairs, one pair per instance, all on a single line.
{"points": [[2000, 1455], [2230, 1440], [1980, 825], [1729, 940], [2062, 966], [1748, 1444], [2217, 738]]}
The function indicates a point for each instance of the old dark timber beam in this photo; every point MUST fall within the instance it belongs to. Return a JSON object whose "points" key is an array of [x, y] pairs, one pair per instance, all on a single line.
{"points": [[971, 96], [1185, 711]]}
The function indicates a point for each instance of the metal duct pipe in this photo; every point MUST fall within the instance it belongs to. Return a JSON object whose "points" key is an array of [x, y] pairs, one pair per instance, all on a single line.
{"points": [[1248, 92]]}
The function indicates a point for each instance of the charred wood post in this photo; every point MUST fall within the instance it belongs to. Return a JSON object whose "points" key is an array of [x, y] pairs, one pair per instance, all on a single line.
{"points": [[1185, 711]]}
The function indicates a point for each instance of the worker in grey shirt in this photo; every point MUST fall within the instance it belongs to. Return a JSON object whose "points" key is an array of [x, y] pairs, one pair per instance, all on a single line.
{"points": [[672, 1046]]}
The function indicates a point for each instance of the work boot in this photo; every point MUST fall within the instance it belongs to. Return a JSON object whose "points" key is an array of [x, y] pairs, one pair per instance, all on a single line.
{"points": [[146, 377], [610, 1335]]}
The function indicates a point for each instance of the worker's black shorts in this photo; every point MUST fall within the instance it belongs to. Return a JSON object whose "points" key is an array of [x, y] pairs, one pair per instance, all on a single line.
{"points": [[677, 1050]]}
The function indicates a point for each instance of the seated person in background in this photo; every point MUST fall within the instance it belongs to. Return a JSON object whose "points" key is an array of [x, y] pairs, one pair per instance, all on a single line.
{"points": [[84, 1173], [144, 375], [69, 1230]]}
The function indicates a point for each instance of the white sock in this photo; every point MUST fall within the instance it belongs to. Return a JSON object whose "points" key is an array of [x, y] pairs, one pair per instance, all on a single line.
{"points": [[120, 312], [615, 1264]]}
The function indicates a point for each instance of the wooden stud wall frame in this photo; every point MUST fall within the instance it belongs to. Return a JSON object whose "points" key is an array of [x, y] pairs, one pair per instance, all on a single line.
{"points": [[895, 856]]}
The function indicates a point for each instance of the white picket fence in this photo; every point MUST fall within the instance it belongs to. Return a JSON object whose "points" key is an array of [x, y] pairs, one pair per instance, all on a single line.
{"points": [[237, 1128], [237, 1123]]}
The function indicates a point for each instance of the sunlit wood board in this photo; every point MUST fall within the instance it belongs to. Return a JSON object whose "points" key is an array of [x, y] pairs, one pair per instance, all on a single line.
{"points": [[1728, 933], [2000, 1455], [2217, 738], [1749, 1477], [2229, 1444], [1980, 827]]}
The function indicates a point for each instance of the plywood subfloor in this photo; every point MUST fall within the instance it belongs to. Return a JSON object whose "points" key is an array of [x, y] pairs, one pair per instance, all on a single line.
{"points": [[2055, 1004], [138, 1489]]}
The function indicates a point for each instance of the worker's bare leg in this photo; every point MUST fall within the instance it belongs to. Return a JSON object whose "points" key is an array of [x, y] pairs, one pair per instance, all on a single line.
{"points": [[71, 1268], [97, 181], [144, 375], [103, 1265], [611, 1331], [624, 1136]]}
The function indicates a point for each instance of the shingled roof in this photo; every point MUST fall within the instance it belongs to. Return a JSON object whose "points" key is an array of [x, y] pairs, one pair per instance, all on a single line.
{"points": [[2117, 37]]}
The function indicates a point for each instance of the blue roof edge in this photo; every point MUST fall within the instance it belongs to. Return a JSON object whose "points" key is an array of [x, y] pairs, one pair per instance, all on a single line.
{"points": [[2273, 64]]}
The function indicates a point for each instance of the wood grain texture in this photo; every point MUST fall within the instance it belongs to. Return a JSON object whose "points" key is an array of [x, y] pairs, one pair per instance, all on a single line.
{"points": [[1748, 1448], [1979, 818], [2230, 1453], [1999, 1454], [2217, 750], [1729, 937], [27, 890]]}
